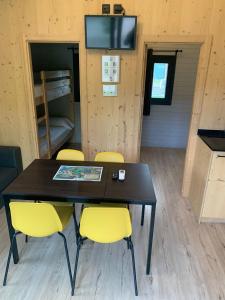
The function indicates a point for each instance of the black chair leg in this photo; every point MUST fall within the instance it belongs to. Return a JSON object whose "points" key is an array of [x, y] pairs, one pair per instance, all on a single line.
{"points": [[142, 215], [26, 238], [128, 244], [9, 258], [134, 269], [67, 257], [76, 227], [76, 265]]}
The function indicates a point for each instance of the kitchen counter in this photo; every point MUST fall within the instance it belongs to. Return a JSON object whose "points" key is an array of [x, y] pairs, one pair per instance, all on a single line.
{"points": [[215, 139]]}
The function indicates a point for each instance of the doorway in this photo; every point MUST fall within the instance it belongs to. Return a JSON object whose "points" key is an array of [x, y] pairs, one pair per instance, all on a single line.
{"points": [[167, 121], [56, 90]]}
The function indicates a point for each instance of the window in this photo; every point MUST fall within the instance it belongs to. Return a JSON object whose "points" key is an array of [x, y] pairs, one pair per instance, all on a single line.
{"points": [[160, 72], [159, 80]]}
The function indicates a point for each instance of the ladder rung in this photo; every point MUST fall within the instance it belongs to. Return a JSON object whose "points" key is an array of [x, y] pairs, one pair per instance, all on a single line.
{"points": [[43, 137], [39, 120]]}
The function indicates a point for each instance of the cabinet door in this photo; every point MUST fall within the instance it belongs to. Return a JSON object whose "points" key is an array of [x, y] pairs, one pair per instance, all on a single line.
{"points": [[214, 204], [218, 167]]}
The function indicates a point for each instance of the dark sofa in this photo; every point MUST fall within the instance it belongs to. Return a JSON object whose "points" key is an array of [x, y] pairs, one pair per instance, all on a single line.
{"points": [[10, 166]]}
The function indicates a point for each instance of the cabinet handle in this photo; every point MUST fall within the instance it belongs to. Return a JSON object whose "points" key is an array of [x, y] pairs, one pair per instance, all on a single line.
{"points": [[221, 156]]}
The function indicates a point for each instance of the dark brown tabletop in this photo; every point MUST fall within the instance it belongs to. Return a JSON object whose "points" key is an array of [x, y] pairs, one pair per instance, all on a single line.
{"points": [[137, 187], [36, 182]]}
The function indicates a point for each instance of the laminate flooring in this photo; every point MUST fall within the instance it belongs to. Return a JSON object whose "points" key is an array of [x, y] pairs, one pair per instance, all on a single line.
{"points": [[188, 259]]}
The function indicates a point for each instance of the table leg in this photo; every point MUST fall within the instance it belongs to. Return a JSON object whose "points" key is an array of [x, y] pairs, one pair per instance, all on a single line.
{"points": [[150, 238], [142, 215], [11, 230]]}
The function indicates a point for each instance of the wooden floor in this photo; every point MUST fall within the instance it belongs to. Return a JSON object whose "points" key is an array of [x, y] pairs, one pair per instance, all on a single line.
{"points": [[188, 260]]}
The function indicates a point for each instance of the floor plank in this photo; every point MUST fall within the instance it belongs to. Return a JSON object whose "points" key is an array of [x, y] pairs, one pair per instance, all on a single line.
{"points": [[188, 260]]}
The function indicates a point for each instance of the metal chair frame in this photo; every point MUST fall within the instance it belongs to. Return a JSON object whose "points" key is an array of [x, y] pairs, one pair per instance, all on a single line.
{"points": [[10, 254], [129, 246]]}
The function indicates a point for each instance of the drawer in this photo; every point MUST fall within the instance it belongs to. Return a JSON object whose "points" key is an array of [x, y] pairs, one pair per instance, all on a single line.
{"points": [[214, 204], [217, 171]]}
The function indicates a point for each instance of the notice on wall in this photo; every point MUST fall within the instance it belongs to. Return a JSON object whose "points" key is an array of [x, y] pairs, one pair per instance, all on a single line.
{"points": [[110, 68], [109, 90]]}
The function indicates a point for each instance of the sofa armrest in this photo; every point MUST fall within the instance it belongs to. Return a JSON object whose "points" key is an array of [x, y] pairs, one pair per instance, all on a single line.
{"points": [[11, 157]]}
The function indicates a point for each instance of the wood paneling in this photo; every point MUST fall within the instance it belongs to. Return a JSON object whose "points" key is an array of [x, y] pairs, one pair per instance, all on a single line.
{"points": [[107, 123]]}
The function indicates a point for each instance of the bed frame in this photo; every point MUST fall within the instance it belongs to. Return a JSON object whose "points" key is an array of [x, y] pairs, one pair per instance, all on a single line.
{"points": [[51, 85]]}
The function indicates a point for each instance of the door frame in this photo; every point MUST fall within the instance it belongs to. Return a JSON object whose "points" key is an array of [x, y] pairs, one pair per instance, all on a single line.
{"points": [[205, 43], [30, 89]]}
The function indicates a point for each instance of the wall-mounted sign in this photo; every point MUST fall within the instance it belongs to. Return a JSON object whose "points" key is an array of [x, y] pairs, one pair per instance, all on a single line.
{"points": [[109, 90], [110, 68]]}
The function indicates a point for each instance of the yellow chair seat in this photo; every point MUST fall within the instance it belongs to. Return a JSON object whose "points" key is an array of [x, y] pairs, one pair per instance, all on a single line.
{"points": [[109, 157], [105, 205], [70, 154], [39, 219], [105, 224]]}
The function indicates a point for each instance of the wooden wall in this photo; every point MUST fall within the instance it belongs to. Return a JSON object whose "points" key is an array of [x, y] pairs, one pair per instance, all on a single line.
{"points": [[106, 123]]}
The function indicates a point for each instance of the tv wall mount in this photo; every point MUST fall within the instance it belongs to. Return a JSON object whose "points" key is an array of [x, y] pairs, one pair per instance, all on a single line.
{"points": [[105, 9], [117, 9]]}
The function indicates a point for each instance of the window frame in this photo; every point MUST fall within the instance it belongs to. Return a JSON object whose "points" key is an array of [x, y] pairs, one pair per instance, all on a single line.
{"points": [[151, 60]]}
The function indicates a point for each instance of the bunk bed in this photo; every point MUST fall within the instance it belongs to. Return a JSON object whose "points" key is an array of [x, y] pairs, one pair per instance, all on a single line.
{"points": [[53, 132]]}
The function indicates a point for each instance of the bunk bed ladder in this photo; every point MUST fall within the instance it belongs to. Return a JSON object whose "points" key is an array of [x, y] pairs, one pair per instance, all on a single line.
{"points": [[45, 117], [53, 135]]}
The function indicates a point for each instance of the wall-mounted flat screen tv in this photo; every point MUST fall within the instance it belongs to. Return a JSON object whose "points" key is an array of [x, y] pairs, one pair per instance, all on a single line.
{"points": [[110, 32]]}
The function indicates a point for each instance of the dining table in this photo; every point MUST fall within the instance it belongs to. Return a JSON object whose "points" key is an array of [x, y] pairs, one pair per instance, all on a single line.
{"points": [[36, 183]]}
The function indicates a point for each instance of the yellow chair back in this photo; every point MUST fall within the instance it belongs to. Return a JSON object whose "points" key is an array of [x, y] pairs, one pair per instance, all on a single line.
{"points": [[109, 157], [105, 224], [70, 154], [35, 219]]}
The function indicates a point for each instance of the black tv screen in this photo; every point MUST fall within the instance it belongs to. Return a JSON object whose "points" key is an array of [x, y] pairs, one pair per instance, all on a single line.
{"points": [[110, 32]]}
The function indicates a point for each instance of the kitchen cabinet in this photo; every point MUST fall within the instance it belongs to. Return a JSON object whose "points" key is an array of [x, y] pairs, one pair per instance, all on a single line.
{"points": [[207, 191]]}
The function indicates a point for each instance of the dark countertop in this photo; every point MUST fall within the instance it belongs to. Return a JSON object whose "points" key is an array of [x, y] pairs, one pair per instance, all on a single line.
{"points": [[215, 139]]}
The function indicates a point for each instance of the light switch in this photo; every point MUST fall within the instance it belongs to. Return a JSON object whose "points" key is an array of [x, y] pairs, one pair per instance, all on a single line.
{"points": [[109, 90]]}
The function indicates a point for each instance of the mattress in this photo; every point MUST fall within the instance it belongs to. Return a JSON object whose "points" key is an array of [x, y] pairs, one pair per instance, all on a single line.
{"points": [[60, 129], [52, 93]]}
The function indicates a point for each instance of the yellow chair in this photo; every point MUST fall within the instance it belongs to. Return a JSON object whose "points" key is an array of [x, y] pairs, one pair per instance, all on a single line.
{"points": [[109, 157], [39, 220], [116, 157], [70, 154], [105, 225], [74, 155]]}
